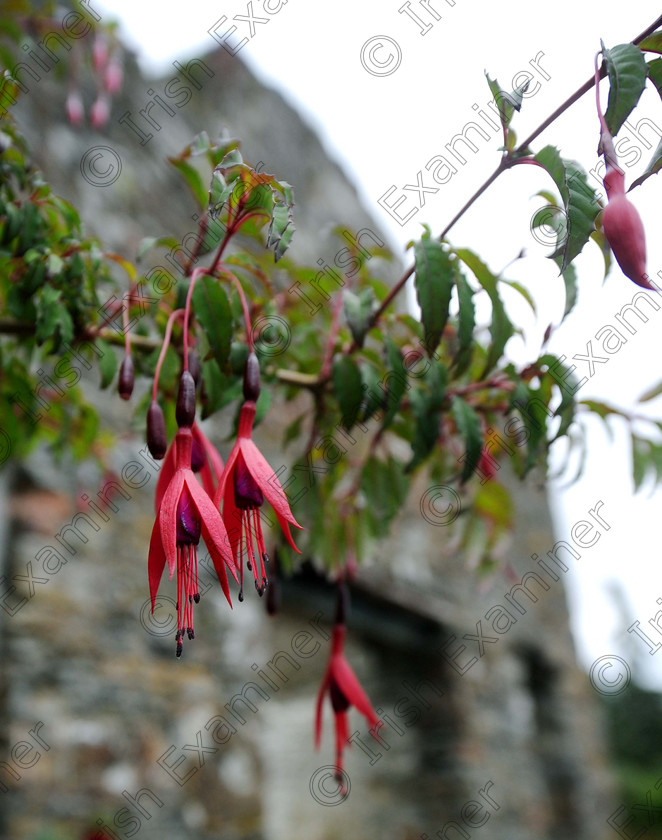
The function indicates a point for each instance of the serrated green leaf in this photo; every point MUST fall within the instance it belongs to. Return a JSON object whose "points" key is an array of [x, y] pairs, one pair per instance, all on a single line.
{"points": [[107, 363], [212, 309], [396, 381], [281, 229], [579, 202], [426, 403], [507, 103], [466, 324], [501, 329], [346, 378], [373, 394], [626, 68], [468, 425], [434, 286]]}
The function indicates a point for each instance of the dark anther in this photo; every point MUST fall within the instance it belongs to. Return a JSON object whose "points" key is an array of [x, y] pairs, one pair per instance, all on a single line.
{"points": [[196, 597], [180, 647]]}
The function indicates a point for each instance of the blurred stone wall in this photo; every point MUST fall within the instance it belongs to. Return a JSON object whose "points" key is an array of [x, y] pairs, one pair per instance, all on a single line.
{"points": [[132, 741]]}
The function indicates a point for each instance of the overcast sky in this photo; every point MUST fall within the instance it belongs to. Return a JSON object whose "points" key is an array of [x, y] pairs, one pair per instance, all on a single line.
{"points": [[387, 85]]}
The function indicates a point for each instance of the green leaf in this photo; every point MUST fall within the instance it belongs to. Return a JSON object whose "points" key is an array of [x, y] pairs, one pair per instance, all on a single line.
{"points": [[426, 403], [193, 179], [640, 461], [570, 281], [579, 202], [434, 285], [373, 395], [53, 318], [212, 309], [281, 229], [358, 312], [653, 43], [107, 363], [655, 74], [507, 103], [468, 425], [654, 166], [626, 67], [346, 378], [466, 324], [395, 380], [501, 328]]}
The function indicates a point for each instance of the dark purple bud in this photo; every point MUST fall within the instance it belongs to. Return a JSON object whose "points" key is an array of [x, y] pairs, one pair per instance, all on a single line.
{"points": [[247, 494], [157, 441], [126, 378], [185, 411], [342, 604], [252, 378], [198, 456], [194, 366]]}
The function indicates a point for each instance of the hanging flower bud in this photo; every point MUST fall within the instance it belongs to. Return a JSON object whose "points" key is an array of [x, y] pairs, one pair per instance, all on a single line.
{"points": [[99, 53], [126, 378], [252, 378], [74, 108], [112, 77], [185, 411], [624, 230], [100, 112], [157, 440]]}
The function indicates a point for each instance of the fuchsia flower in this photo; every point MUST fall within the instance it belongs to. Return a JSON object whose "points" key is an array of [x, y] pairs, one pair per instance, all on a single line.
{"points": [[344, 691], [246, 481], [205, 460], [624, 229], [185, 513]]}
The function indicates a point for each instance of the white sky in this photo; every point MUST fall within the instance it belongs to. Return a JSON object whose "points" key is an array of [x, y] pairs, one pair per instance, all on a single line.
{"points": [[384, 129]]}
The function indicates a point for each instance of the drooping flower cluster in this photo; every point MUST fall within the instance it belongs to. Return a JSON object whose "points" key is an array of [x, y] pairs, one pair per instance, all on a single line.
{"points": [[187, 510]]}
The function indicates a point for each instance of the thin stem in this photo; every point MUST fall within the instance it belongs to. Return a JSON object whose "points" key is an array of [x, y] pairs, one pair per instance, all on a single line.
{"points": [[177, 313], [244, 306], [325, 370], [187, 309]]}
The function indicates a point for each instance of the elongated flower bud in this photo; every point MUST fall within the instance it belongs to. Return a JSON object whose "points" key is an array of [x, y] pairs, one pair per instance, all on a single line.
{"points": [[624, 230], [74, 108], [157, 441], [100, 112], [112, 77], [126, 378], [185, 411], [252, 378]]}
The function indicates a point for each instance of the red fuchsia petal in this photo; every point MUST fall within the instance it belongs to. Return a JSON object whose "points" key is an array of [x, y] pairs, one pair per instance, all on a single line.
{"points": [[214, 459], [348, 683], [156, 562], [168, 519], [232, 521], [226, 475], [214, 533], [318, 710], [167, 472], [267, 481]]}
